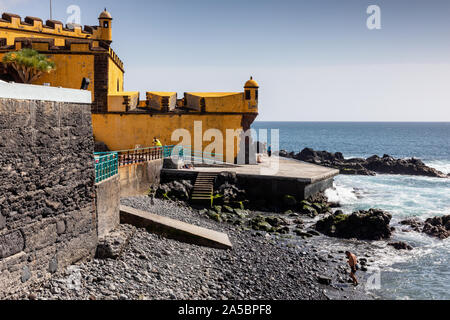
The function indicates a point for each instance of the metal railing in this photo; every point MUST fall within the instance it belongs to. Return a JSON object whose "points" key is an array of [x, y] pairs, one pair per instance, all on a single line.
{"points": [[134, 156], [106, 165]]}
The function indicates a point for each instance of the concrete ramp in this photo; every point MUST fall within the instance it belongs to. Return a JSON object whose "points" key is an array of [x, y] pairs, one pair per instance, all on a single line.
{"points": [[174, 229]]}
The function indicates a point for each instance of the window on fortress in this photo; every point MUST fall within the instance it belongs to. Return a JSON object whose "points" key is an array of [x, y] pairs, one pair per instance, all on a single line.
{"points": [[105, 24], [248, 95], [257, 94], [118, 85]]}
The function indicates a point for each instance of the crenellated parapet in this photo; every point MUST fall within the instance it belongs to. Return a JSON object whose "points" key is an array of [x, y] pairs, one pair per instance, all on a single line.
{"points": [[32, 26], [73, 46]]}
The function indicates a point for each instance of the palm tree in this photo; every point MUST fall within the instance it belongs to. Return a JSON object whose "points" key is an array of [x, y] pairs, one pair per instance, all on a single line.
{"points": [[28, 64]]}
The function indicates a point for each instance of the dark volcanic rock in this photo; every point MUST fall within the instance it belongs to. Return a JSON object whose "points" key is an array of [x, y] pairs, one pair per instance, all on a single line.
{"points": [[362, 225], [438, 227], [400, 246], [369, 166], [414, 223], [176, 190]]}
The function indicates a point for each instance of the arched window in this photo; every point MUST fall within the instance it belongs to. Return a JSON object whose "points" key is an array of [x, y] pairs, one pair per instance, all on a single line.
{"points": [[248, 95]]}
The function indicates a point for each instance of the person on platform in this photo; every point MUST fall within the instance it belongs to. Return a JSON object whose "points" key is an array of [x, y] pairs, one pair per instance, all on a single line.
{"points": [[157, 142]]}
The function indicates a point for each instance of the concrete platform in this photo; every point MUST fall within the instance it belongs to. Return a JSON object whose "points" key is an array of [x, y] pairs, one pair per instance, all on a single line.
{"points": [[174, 229], [280, 168], [274, 178]]}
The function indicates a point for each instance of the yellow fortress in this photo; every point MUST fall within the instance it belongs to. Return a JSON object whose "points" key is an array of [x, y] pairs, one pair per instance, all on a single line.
{"points": [[121, 119]]}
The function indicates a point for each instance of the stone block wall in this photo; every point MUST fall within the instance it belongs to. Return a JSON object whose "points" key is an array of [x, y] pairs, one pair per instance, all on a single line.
{"points": [[47, 205]]}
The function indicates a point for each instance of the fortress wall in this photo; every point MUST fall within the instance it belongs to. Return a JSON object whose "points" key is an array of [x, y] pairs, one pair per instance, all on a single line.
{"points": [[47, 205], [125, 131]]}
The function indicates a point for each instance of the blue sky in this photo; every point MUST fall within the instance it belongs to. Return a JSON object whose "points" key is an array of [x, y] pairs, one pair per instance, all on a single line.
{"points": [[316, 60]]}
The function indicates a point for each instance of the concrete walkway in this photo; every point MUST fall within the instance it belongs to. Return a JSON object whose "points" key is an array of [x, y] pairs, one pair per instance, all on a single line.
{"points": [[174, 229], [279, 167]]}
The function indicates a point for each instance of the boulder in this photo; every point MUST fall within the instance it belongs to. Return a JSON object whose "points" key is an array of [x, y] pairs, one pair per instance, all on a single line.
{"points": [[307, 208], [414, 223], [362, 225], [400, 245], [176, 190], [229, 193], [269, 224], [225, 178], [438, 227]]}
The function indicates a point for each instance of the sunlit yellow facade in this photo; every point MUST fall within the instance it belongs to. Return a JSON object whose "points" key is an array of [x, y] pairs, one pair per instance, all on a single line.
{"points": [[123, 119]]}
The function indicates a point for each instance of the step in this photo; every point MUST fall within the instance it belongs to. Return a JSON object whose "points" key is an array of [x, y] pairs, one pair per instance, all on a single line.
{"points": [[174, 229]]}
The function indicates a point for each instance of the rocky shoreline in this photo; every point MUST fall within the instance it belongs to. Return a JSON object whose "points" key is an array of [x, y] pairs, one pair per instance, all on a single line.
{"points": [[293, 250], [261, 266], [367, 167]]}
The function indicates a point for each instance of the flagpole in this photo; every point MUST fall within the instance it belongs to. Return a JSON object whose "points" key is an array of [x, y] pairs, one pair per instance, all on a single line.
{"points": [[51, 18]]}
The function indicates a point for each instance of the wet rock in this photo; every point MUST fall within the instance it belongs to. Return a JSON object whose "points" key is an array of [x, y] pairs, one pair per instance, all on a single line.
{"points": [[400, 245], [362, 225], [438, 227], [415, 224], [306, 208]]}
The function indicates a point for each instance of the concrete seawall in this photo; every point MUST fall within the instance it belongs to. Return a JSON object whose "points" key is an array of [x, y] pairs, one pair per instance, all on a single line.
{"points": [[107, 203], [136, 179], [269, 188]]}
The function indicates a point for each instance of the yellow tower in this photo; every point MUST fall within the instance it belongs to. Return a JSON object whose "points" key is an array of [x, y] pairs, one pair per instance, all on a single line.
{"points": [[105, 26], [251, 93]]}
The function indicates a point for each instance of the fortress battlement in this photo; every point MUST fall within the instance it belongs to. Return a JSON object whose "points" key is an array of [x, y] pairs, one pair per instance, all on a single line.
{"points": [[54, 27]]}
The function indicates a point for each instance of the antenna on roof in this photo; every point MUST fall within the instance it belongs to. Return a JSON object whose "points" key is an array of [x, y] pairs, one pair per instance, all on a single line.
{"points": [[51, 17]]}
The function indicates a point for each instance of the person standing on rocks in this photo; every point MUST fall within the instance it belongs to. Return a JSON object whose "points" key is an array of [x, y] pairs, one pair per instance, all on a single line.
{"points": [[352, 262]]}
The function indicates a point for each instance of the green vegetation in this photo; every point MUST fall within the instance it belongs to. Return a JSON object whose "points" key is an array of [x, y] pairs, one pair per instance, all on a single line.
{"points": [[28, 64]]}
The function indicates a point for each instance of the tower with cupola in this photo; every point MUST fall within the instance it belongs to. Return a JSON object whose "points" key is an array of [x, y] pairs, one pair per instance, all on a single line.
{"points": [[105, 27]]}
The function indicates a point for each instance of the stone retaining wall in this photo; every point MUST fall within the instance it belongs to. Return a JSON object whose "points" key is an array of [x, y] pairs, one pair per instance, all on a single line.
{"points": [[108, 202], [47, 205], [136, 179]]}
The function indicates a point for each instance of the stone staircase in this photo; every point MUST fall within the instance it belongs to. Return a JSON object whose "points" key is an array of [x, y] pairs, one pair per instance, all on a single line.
{"points": [[203, 188]]}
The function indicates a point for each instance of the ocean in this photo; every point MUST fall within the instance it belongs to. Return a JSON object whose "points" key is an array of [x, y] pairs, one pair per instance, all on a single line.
{"points": [[423, 273]]}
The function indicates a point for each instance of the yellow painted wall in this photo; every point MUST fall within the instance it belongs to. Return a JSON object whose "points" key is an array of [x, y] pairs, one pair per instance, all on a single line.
{"points": [[116, 76], [222, 101], [155, 100], [126, 131], [116, 101], [70, 71]]}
